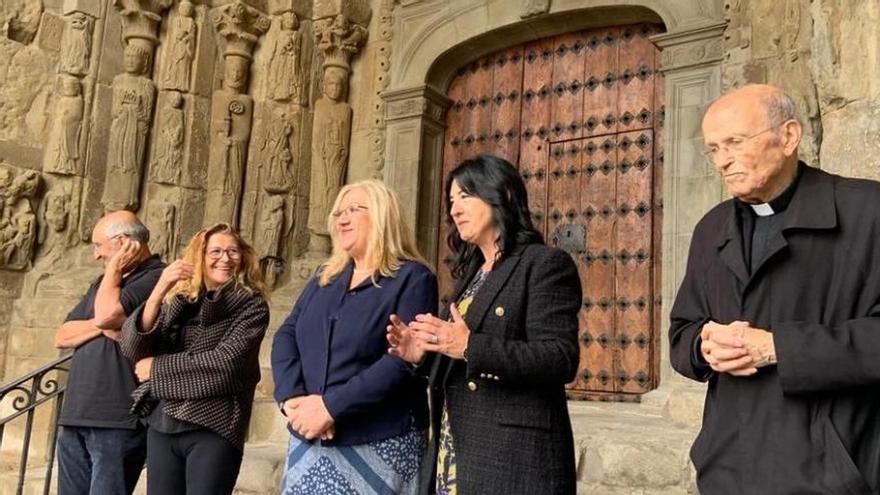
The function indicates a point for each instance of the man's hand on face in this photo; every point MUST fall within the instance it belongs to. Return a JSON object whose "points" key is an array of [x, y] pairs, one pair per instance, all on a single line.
{"points": [[738, 348], [126, 257]]}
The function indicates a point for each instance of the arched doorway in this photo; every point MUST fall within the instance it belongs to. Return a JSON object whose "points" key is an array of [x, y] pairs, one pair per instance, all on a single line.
{"points": [[581, 117]]}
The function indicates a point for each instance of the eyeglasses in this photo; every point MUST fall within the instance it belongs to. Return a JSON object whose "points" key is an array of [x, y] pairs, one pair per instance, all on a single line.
{"points": [[217, 253], [351, 210], [97, 245], [733, 145]]}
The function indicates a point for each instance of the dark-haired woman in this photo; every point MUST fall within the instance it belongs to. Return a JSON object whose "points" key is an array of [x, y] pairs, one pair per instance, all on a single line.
{"points": [[499, 358]]}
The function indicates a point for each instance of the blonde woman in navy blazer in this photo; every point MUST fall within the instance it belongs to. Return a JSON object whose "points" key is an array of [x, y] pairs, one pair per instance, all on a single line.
{"points": [[357, 414], [499, 357]]}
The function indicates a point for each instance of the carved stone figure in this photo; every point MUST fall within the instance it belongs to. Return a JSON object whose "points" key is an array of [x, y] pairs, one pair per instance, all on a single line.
{"points": [[338, 39], [62, 150], [168, 158], [332, 128], [268, 236], [181, 49], [231, 114], [271, 225], [55, 215], [133, 98], [162, 229], [76, 44], [284, 81], [277, 153], [18, 225]]}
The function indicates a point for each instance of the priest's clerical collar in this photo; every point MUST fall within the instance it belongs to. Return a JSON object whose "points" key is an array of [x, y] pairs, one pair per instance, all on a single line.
{"points": [[779, 203]]}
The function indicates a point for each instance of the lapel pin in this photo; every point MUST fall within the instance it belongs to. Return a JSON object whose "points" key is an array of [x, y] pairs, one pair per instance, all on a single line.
{"points": [[499, 311]]}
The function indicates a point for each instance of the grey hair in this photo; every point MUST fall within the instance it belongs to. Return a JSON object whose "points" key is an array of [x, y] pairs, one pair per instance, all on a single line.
{"points": [[134, 230], [779, 107]]}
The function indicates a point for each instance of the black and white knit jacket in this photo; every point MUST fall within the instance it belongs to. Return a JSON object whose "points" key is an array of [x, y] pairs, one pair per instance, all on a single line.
{"points": [[211, 382]]}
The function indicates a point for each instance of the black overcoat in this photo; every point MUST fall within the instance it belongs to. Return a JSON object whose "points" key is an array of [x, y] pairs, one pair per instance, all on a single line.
{"points": [[811, 424], [507, 406]]}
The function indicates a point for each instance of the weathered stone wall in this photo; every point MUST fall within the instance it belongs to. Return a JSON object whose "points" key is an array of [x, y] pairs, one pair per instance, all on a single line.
{"points": [[825, 53], [57, 102]]}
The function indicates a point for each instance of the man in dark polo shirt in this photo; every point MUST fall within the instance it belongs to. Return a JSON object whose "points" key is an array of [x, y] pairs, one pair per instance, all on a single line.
{"points": [[101, 447]]}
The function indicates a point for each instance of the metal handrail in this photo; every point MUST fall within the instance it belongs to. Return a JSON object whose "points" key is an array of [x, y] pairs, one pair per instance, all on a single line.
{"points": [[29, 392]]}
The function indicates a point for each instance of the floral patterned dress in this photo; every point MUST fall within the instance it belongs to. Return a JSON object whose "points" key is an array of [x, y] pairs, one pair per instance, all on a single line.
{"points": [[446, 478]]}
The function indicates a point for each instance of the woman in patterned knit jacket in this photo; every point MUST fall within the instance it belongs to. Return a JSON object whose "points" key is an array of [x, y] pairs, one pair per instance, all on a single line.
{"points": [[357, 414], [195, 344]]}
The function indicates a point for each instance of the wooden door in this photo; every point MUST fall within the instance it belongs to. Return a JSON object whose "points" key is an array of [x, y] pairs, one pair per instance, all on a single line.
{"points": [[581, 117]]}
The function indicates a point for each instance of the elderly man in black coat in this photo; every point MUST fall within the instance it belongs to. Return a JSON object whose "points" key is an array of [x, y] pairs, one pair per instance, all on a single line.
{"points": [[780, 312]]}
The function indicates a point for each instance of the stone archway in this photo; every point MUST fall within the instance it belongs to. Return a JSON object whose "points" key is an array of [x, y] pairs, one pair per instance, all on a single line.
{"points": [[434, 38]]}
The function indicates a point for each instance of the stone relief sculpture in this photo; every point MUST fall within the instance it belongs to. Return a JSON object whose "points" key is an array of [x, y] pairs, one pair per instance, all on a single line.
{"points": [[285, 82], [168, 158], [277, 153], [338, 40], [332, 129], [56, 216], [232, 111], [62, 149], [181, 49], [76, 44], [133, 98], [268, 237], [18, 223], [161, 222], [134, 95]]}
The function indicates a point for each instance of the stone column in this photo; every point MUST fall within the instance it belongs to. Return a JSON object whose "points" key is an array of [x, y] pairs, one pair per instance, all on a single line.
{"points": [[340, 31], [415, 124], [691, 64], [134, 95], [232, 108]]}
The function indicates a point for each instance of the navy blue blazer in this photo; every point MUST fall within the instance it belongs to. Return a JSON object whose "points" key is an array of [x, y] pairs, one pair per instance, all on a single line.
{"points": [[333, 344]]}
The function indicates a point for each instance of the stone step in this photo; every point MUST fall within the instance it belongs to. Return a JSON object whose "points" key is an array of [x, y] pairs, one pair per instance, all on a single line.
{"points": [[260, 473], [267, 423], [630, 448]]}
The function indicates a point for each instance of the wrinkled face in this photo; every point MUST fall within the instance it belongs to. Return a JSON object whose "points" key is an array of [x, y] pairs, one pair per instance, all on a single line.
{"points": [[104, 247], [745, 148], [353, 223], [472, 216], [222, 260]]}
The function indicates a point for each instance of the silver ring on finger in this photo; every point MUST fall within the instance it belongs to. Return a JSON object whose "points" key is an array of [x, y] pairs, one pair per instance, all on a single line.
{"points": [[434, 339]]}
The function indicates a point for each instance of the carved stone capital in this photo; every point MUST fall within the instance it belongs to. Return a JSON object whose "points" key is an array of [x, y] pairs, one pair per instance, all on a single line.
{"points": [[690, 48], [339, 39], [419, 102], [140, 18], [240, 26]]}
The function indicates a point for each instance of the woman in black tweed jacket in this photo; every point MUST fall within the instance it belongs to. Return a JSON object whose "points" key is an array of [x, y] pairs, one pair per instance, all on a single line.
{"points": [[195, 344], [498, 358]]}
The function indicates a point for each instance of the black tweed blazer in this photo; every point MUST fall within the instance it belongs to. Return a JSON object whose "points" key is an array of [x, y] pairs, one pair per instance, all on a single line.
{"points": [[211, 382], [507, 406]]}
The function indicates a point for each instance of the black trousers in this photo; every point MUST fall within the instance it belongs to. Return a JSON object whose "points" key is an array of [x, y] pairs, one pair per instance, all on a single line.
{"points": [[191, 463]]}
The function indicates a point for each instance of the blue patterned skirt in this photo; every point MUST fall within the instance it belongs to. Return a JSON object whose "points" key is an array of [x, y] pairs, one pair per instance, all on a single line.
{"points": [[389, 466]]}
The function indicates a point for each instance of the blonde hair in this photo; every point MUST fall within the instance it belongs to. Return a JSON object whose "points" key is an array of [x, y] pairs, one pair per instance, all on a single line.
{"points": [[247, 275], [390, 240]]}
